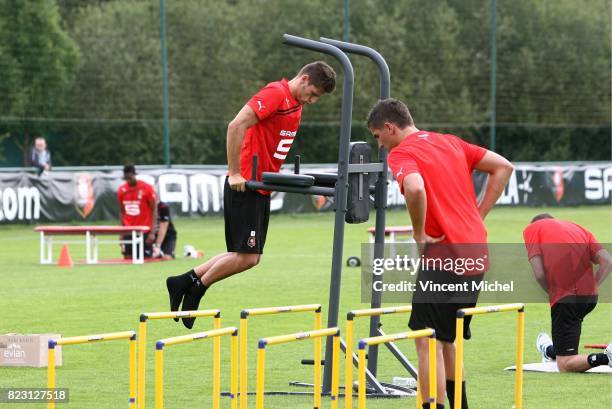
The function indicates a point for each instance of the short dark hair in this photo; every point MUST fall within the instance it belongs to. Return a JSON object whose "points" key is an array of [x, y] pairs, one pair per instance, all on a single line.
{"points": [[389, 110], [129, 169], [541, 216], [321, 75]]}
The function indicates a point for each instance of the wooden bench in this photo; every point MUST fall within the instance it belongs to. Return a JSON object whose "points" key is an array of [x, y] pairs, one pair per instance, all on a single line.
{"points": [[91, 234], [393, 235], [396, 234]]}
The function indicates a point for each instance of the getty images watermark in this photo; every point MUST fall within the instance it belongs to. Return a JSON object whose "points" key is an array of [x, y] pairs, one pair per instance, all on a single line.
{"points": [[493, 272]]}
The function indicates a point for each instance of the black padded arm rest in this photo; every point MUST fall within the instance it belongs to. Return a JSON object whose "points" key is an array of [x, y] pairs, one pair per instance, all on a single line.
{"points": [[288, 179], [327, 179]]}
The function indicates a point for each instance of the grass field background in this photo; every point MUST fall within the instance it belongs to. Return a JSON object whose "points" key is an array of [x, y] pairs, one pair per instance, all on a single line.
{"points": [[295, 270]]}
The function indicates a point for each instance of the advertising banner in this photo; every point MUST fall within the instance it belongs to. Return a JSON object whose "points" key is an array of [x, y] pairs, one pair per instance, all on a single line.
{"points": [[70, 196]]}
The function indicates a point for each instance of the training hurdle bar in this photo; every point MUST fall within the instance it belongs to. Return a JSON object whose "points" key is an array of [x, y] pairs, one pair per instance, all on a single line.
{"points": [[350, 359], [142, 342], [518, 386], [383, 339], [130, 335], [245, 314], [316, 336], [215, 334]]}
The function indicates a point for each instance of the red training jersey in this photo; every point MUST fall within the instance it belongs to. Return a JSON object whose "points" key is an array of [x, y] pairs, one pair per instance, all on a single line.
{"points": [[135, 202], [271, 138], [567, 252], [445, 162]]}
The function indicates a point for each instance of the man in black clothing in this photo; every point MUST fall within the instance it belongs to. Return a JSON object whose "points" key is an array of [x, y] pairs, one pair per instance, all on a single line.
{"points": [[165, 239]]}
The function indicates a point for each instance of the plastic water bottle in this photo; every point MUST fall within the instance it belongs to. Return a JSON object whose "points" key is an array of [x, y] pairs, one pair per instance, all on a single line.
{"points": [[404, 382]]}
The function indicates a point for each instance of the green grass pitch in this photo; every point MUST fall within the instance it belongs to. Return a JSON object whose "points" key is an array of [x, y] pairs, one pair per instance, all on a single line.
{"points": [[294, 270]]}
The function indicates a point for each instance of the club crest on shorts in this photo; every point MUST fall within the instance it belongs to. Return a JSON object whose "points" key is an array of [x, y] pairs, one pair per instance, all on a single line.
{"points": [[252, 241]]}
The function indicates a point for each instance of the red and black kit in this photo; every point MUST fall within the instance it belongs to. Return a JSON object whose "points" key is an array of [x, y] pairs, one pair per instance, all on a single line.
{"points": [[247, 213]]}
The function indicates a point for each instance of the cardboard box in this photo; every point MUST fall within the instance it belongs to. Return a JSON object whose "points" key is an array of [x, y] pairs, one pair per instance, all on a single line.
{"points": [[27, 350]]}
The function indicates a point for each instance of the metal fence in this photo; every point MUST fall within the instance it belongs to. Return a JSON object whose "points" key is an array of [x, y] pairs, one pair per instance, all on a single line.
{"points": [[152, 81]]}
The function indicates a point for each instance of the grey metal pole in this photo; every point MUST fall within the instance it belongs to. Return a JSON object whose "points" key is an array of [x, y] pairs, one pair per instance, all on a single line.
{"points": [[346, 27], [383, 68], [493, 123], [164, 62], [380, 195], [341, 185]]}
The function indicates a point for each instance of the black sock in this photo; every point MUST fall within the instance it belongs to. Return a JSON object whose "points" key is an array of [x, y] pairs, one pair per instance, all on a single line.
{"points": [[178, 286], [597, 359], [450, 392], [193, 277], [191, 301], [550, 352], [199, 289], [184, 280], [438, 406]]}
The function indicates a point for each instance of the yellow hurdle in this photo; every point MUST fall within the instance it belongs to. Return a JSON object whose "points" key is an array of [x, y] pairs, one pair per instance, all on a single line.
{"points": [[215, 334], [518, 386], [142, 341], [130, 335], [245, 314], [366, 342], [315, 335], [369, 312]]}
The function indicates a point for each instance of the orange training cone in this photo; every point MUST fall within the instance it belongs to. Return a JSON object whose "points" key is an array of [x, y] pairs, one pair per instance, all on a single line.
{"points": [[64, 259]]}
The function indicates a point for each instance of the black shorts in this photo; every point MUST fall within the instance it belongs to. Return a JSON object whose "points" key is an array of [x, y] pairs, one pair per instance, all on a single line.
{"points": [[567, 315], [168, 246], [246, 220], [438, 310]]}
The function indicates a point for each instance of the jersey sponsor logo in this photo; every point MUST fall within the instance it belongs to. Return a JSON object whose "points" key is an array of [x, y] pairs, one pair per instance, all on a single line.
{"points": [[288, 133], [260, 106], [284, 145], [132, 207]]}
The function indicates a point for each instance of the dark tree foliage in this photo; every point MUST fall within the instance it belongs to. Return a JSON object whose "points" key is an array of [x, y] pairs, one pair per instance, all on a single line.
{"points": [[87, 74]]}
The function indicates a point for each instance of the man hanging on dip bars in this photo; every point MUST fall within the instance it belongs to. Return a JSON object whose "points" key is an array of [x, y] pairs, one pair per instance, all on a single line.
{"points": [[266, 126]]}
